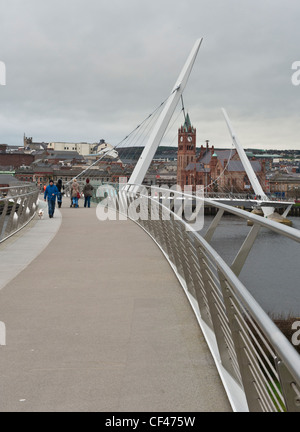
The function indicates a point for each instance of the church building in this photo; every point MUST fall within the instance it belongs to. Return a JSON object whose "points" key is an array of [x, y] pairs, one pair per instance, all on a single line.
{"points": [[216, 170], [186, 151]]}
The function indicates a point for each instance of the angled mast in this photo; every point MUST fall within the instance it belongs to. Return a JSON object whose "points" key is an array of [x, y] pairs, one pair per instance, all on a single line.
{"points": [[245, 161], [155, 137]]}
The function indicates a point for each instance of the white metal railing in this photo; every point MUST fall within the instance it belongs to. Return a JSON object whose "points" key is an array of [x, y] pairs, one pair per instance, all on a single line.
{"points": [[243, 196], [259, 367], [18, 205]]}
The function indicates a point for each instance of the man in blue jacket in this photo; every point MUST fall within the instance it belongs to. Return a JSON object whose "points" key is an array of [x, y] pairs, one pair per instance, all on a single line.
{"points": [[51, 194]]}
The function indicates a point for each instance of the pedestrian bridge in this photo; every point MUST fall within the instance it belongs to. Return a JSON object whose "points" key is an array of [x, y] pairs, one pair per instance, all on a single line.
{"points": [[99, 318], [97, 321]]}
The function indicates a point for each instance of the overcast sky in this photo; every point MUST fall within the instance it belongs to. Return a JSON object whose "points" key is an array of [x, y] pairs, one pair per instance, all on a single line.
{"points": [[83, 70]]}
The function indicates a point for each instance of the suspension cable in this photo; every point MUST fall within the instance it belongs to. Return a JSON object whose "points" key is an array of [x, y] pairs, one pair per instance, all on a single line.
{"points": [[124, 139]]}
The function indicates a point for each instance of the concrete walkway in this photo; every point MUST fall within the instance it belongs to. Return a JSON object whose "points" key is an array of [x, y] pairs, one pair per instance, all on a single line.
{"points": [[97, 321]]}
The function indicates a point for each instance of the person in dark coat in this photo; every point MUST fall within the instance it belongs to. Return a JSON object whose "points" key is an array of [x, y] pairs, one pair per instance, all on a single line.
{"points": [[87, 192], [51, 194], [59, 195]]}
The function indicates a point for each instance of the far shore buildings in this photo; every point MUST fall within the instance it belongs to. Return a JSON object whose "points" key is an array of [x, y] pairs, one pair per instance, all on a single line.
{"points": [[216, 171], [39, 161], [82, 148]]}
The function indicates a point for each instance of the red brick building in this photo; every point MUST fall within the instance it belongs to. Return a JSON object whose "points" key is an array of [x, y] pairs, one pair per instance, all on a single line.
{"points": [[186, 151], [217, 170], [14, 159]]}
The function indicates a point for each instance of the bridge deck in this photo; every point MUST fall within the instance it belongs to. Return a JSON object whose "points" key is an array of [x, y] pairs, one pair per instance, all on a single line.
{"points": [[97, 321]]}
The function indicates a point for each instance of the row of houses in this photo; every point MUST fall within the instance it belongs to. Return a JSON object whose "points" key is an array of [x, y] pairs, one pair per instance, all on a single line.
{"points": [[82, 148], [218, 170], [38, 162]]}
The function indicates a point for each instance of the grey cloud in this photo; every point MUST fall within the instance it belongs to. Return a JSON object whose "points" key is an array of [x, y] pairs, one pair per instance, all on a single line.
{"points": [[83, 70]]}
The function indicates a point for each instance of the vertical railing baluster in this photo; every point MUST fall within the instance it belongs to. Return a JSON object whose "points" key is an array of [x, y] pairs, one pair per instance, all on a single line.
{"points": [[291, 391], [223, 347], [9, 225], [21, 201], [3, 217], [248, 381]]}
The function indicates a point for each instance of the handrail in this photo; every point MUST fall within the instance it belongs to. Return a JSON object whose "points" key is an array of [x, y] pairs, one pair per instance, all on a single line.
{"points": [[285, 230], [18, 205], [248, 348]]}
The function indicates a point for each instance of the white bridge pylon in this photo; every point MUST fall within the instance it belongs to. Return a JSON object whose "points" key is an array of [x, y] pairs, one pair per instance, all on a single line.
{"points": [[161, 125], [262, 197], [245, 161]]}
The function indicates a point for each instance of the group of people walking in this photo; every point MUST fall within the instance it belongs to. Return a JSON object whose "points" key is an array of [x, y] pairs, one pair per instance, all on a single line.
{"points": [[54, 192], [75, 193]]}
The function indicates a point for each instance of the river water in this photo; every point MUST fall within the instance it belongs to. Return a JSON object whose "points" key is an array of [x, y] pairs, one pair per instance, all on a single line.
{"points": [[272, 270]]}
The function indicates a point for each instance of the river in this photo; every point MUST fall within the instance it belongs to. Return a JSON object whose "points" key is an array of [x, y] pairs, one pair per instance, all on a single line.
{"points": [[272, 270]]}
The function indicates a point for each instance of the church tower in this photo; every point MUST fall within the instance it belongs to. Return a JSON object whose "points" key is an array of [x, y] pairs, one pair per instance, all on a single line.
{"points": [[186, 150]]}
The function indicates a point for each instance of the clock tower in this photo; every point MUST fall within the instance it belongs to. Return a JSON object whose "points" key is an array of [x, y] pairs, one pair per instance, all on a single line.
{"points": [[186, 150]]}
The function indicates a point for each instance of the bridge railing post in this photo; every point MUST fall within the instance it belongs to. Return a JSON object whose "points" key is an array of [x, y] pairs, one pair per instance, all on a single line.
{"points": [[21, 212], [203, 288], [219, 318], [21, 204], [3, 217], [10, 222], [185, 253], [248, 382], [289, 387]]}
